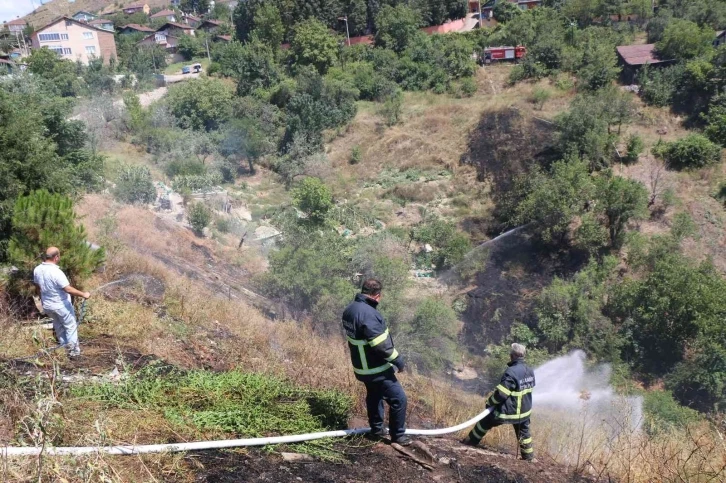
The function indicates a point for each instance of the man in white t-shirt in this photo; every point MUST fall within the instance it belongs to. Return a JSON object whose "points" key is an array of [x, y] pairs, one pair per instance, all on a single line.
{"points": [[55, 293]]}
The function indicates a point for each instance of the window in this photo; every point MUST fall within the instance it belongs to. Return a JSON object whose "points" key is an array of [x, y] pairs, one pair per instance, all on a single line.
{"points": [[87, 35], [160, 38], [57, 50], [66, 51], [48, 37], [69, 23], [64, 36], [90, 49]]}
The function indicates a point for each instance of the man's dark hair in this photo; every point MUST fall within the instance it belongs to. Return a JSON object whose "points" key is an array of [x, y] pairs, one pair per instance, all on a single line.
{"points": [[371, 287]]}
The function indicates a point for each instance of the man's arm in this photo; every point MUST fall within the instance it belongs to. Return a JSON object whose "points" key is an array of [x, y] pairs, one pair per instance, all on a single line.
{"points": [[380, 341], [502, 391], [75, 292]]}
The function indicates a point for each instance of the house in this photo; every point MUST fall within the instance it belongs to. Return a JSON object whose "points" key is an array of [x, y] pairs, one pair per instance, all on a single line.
{"points": [[168, 36], [84, 16], [634, 57], [74, 40], [137, 7], [210, 26], [487, 8], [134, 28], [175, 3], [223, 38], [168, 15], [102, 24], [191, 20], [17, 25]]}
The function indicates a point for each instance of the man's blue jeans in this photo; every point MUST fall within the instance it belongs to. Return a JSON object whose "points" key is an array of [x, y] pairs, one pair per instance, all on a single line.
{"points": [[386, 388], [66, 328]]}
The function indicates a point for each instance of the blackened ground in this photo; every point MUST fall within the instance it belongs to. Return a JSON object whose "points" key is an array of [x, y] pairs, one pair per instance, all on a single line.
{"points": [[369, 463]]}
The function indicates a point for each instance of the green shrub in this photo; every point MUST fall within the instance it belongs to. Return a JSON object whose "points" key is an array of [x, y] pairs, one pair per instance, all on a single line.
{"points": [[392, 108], [468, 86], [193, 182], [635, 148], [134, 185], [539, 96], [691, 152], [355, 155], [433, 330], [662, 412], [314, 198], [223, 225], [199, 216]]}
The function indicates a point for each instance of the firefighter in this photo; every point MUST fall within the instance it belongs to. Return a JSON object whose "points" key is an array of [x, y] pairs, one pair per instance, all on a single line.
{"points": [[512, 404], [374, 357]]}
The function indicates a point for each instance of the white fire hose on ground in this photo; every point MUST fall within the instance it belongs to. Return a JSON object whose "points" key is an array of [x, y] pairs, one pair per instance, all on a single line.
{"points": [[225, 443]]}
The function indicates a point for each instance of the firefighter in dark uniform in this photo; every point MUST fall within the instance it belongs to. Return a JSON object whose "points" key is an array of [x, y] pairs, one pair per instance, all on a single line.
{"points": [[512, 404], [374, 357]]}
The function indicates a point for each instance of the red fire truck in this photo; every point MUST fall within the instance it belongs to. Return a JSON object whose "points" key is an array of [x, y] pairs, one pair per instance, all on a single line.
{"points": [[497, 54]]}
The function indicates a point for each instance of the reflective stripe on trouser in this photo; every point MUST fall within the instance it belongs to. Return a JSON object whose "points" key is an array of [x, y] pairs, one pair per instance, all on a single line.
{"points": [[65, 327], [521, 430]]}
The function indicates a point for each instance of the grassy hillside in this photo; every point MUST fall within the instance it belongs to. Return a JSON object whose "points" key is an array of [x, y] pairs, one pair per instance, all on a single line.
{"points": [[56, 8]]}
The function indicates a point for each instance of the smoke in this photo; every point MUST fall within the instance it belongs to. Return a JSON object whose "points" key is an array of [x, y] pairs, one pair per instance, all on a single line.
{"points": [[575, 405]]}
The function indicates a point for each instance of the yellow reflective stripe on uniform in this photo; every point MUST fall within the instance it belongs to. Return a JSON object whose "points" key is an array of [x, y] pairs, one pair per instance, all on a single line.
{"points": [[504, 390], [513, 416], [520, 393], [527, 450], [526, 441], [475, 431], [357, 342], [375, 370], [380, 339], [362, 355], [393, 355]]}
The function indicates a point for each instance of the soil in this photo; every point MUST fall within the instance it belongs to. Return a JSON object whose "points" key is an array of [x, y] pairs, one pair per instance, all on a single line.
{"points": [[367, 462]]}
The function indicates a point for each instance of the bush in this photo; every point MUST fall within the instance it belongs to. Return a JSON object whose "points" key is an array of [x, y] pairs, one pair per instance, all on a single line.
{"points": [[468, 86], [204, 182], [635, 148], [662, 412], [691, 152], [135, 186], [313, 198], [355, 155], [539, 96], [199, 216], [434, 329], [392, 108], [42, 220]]}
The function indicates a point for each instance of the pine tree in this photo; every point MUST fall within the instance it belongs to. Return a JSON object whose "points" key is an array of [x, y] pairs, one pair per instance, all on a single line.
{"points": [[41, 220]]}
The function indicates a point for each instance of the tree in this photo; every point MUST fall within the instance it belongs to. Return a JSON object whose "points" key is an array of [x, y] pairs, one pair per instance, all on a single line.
{"points": [[505, 11], [200, 103], [199, 216], [313, 44], [433, 332], [190, 46], [252, 65], [583, 131], [716, 121], [621, 200], [683, 40], [691, 152], [396, 27], [552, 200], [599, 64], [268, 25], [41, 220], [200, 7], [134, 185], [314, 198]]}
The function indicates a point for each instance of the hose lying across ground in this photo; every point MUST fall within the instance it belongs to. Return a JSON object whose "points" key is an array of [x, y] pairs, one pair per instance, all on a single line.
{"points": [[225, 443]]}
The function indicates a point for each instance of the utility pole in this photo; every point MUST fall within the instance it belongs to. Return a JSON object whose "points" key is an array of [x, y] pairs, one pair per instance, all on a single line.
{"points": [[206, 42], [347, 32], [480, 14]]}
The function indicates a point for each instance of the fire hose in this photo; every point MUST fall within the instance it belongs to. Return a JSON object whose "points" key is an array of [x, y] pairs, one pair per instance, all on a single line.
{"points": [[220, 444]]}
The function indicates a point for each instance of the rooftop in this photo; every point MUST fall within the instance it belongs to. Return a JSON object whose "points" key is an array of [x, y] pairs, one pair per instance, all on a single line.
{"points": [[71, 19], [163, 13], [176, 25], [135, 26], [17, 21], [639, 54], [99, 21]]}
